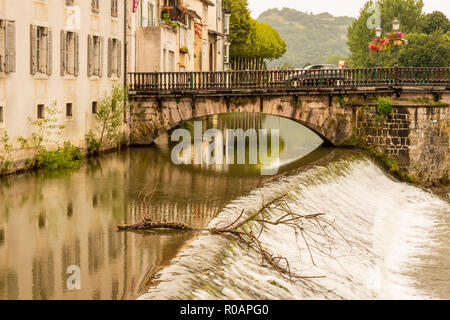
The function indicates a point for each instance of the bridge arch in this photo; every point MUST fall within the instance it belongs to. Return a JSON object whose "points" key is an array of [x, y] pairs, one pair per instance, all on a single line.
{"points": [[153, 116]]}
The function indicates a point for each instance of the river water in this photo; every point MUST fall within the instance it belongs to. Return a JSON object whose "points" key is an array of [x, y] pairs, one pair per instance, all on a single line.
{"points": [[389, 240]]}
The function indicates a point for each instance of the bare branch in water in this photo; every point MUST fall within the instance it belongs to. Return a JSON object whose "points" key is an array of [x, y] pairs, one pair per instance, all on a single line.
{"points": [[320, 241]]}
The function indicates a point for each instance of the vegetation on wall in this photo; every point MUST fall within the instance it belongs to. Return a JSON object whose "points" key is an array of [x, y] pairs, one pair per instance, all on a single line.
{"points": [[109, 121], [384, 105], [427, 35], [5, 153], [310, 38], [45, 131]]}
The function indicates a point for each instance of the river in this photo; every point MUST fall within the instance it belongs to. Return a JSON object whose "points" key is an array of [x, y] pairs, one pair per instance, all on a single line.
{"points": [[393, 239]]}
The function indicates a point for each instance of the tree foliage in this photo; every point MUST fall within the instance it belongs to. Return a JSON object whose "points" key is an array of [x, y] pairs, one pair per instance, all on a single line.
{"points": [[109, 120], [250, 38], [435, 21], [409, 12], [426, 50]]}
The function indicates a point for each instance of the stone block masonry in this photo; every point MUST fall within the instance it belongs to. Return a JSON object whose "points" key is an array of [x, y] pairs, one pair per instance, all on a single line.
{"points": [[416, 134]]}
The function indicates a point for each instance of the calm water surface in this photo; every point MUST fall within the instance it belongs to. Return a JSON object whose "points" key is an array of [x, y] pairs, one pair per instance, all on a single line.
{"points": [[50, 221]]}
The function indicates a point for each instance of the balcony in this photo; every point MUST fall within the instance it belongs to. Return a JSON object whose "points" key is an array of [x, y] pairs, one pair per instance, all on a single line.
{"points": [[174, 10]]}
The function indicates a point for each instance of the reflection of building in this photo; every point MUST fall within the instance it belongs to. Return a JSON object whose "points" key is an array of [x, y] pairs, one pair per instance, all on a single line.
{"points": [[176, 35], [53, 51]]}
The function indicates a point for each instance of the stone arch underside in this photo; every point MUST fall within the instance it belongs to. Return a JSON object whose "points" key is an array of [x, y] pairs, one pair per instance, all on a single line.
{"points": [[152, 117]]}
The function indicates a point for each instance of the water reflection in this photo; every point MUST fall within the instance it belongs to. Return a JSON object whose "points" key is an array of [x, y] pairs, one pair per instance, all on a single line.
{"points": [[49, 222]]}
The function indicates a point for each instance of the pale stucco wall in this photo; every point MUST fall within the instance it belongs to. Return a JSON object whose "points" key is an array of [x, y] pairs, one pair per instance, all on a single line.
{"points": [[20, 92]]}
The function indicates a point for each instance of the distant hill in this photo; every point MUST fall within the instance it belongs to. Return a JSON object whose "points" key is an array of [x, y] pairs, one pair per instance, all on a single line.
{"points": [[310, 38]]}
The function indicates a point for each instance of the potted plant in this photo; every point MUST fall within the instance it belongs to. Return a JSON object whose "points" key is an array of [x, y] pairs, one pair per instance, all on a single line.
{"points": [[184, 49], [396, 39]]}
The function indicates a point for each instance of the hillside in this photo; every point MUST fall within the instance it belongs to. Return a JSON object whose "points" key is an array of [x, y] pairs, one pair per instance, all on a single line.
{"points": [[309, 38]]}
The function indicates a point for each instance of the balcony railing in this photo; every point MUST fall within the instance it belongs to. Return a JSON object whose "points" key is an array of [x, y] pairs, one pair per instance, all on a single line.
{"points": [[154, 82]]}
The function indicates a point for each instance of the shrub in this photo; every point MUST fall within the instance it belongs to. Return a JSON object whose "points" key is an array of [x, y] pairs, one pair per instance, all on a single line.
{"points": [[384, 105], [66, 157], [5, 153], [109, 121]]}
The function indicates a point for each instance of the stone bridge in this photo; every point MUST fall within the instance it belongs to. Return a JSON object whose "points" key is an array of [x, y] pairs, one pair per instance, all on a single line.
{"points": [[340, 109]]}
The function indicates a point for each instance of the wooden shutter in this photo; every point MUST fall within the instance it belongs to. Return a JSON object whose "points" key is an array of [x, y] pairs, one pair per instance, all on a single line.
{"points": [[63, 56], [101, 55], [49, 52], [10, 33], [76, 58], [110, 47], [119, 58], [90, 70], [33, 51]]}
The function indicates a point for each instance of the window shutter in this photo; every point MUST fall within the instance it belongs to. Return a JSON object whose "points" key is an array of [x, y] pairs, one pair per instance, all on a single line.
{"points": [[119, 58], [10, 46], [49, 52], [101, 55], [63, 55], [33, 51], [76, 58], [90, 55], [110, 43]]}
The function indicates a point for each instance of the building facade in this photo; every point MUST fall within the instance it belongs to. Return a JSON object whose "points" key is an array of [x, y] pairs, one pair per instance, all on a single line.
{"points": [[178, 35], [68, 52]]}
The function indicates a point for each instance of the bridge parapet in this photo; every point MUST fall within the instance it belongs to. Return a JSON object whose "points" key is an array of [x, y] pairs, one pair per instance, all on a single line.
{"points": [[167, 83]]}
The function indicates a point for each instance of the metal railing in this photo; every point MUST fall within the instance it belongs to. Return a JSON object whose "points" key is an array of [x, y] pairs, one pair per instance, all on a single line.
{"points": [[154, 82]]}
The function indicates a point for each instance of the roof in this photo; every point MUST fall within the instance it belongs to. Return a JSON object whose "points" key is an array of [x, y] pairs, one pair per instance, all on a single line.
{"points": [[209, 3], [193, 14]]}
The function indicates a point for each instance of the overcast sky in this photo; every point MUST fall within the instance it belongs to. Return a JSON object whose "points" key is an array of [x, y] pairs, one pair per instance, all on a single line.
{"points": [[335, 7]]}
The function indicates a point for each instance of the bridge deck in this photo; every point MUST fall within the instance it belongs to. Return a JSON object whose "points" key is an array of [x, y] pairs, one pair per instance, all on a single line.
{"points": [[155, 83]]}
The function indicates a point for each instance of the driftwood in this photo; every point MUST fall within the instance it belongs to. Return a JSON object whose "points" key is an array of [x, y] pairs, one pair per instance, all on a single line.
{"points": [[320, 241]]}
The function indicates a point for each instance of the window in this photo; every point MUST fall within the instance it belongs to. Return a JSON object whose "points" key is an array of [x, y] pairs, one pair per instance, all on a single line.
{"points": [[171, 61], [164, 68], [226, 24], [219, 9], [69, 110], [182, 37], [95, 6], [1, 114], [7, 46], [95, 56], [70, 3], [94, 107], [114, 8], [151, 21], [227, 53], [69, 53], [41, 50], [40, 111], [114, 57]]}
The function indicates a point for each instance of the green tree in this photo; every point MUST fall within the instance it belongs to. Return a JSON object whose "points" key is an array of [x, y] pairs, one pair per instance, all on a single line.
{"points": [[426, 50], [435, 21], [408, 12], [241, 29], [109, 120], [252, 41]]}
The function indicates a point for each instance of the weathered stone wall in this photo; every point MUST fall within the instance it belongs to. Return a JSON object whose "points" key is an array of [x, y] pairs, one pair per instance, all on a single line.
{"points": [[415, 134]]}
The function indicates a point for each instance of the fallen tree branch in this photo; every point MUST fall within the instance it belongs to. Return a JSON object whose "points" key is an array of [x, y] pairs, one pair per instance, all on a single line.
{"points": [[320, 241]]}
